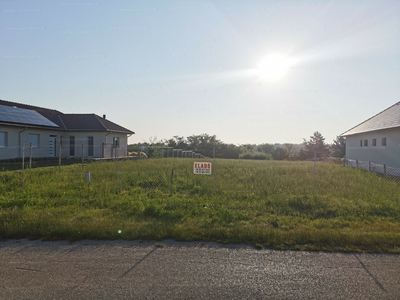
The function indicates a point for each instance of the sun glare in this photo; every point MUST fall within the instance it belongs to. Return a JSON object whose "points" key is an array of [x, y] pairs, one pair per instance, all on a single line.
{"points": [[274, 66]]}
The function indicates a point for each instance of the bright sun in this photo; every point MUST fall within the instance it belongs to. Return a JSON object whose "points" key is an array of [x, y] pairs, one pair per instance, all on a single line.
{"points": [[274, 66]]}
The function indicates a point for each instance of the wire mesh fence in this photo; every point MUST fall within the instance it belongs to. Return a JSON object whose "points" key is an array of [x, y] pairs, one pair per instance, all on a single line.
{"points": [[171, 171], [382, 169]]}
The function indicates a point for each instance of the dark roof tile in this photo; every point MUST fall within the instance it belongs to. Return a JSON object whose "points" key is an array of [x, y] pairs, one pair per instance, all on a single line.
{"points": [[89, 122]]}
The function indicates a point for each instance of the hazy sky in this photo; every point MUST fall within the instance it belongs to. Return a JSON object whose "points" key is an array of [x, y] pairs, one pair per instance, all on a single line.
{"points": [[183, 68]]}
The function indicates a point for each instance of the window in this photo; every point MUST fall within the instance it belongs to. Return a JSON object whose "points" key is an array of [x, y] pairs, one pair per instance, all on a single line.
{"points": [[90, 146], [3, 139], [71, 146], [116, 142], [383, 141], [373, 142], [365, 143], [34, 140], [360, 143]]}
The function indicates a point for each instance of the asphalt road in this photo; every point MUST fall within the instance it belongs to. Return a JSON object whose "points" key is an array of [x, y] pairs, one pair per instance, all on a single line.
{"points": [[133, 270]]}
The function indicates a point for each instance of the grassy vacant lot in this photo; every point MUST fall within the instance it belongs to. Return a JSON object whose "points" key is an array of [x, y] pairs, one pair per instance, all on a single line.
{"points": [[267, 203]]}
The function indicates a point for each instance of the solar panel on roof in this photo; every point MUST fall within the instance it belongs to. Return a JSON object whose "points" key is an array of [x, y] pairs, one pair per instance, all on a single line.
{"points": [[24, 116]]}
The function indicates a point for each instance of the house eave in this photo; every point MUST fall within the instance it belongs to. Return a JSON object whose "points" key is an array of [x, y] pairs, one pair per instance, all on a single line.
{"points": [[367, 131], [61, 129], [30, 126]]}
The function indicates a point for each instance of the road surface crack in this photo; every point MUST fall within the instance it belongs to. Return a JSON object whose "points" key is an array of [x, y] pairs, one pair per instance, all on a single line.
{"points": [[26, 269], [370, 274], [135, 265]]}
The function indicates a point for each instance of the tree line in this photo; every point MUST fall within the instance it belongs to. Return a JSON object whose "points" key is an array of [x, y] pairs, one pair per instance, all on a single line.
{"points": [[205, 144]]}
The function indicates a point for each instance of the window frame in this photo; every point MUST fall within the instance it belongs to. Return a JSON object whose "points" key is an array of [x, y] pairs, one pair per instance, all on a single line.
{"points": [[116, 142], [33, 144], [366, 143], [374, 142], [90, 147], [5, 139], [384, 141]]}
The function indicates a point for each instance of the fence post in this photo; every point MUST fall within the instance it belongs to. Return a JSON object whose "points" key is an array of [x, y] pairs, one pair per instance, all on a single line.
{"points": [[315, 157], [384, 169], [59, 159], [116, 149], [30, 155], [369, 166], [214, 173], [357, 163], [82, 155], [23, 165]]}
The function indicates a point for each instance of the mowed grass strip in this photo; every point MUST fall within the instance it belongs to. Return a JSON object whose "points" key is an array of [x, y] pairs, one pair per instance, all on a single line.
{"points": [[267, 203]]}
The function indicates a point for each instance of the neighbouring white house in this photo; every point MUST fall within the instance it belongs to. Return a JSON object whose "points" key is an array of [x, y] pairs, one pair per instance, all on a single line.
{"points": [[43, 132], [376, 140]]}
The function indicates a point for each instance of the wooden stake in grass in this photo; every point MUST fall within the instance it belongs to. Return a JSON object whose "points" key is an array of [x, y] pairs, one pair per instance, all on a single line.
{"points": [[87, 179]]}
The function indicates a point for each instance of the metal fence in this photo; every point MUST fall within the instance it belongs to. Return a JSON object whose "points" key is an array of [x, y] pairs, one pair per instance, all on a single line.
{"points": [[171, 171], [382, 169], [122, 167], [144, 151]]}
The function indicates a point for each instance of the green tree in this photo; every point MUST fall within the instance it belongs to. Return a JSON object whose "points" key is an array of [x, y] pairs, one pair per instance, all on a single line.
{"points": [[289, 148], [247, 148], [266, 148], [280, 154], [177, 142], [316, 143], [228, 151], [204, 144], [339, 147]]}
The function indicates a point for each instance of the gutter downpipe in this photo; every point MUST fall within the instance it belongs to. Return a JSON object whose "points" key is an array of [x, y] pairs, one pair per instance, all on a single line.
{"points": [[127, 152], [20, 141]]}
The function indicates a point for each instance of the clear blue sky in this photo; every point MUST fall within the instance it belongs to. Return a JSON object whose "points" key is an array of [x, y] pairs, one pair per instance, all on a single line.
{"points": [[183, 67]]}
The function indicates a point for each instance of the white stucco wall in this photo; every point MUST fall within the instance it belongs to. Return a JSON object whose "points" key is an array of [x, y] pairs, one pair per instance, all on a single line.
{"points": [[14, 134], [389, 154], [99, 138], [19, 136]]}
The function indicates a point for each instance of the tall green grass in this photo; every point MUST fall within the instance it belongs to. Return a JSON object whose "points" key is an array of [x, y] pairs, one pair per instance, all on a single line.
{"points": [[267, 203]]}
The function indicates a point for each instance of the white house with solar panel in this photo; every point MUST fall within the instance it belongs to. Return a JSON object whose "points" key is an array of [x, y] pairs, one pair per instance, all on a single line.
{"points": [[376, 140], [50, 133]]}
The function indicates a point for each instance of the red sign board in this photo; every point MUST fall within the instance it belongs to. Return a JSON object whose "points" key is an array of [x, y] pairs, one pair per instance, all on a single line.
{"points": [[202, 168]]}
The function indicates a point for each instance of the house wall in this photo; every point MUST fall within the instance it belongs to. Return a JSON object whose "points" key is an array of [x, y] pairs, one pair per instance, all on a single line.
{"points": [[389, 154], [14, 146], [19, 136], [100, 140]]}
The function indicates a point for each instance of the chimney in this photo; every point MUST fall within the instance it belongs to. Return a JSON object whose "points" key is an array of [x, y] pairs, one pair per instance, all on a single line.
{"points": [[104, 116]]}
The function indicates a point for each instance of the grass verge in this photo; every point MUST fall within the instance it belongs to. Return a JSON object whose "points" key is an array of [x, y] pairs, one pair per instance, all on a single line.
{"points": [[268, 203]]}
